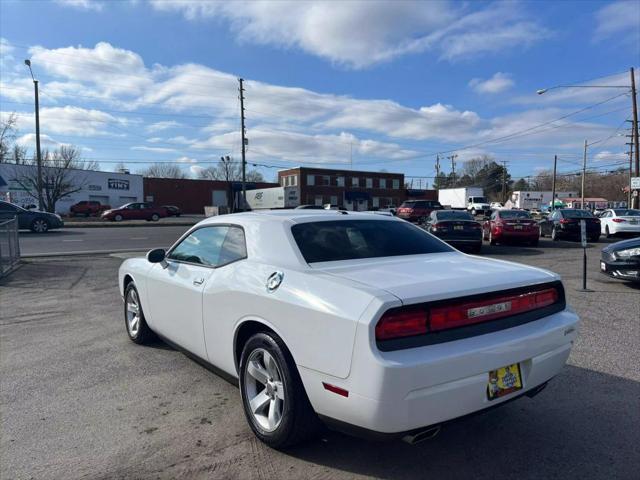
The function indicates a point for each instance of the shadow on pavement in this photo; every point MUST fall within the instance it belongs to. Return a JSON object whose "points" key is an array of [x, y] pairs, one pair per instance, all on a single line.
{"points": [[570, 430]]}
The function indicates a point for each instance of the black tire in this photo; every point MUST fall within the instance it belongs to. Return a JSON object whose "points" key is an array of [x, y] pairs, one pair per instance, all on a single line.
{"points": [[117, 218], [298, 422], [606, 231], [39, 225], [554, 235], [492, 241], [143, 334], [155, 217]]}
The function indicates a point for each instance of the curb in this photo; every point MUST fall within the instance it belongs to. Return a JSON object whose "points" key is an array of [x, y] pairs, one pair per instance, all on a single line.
{"points": [[87, 252], [123, 225]]}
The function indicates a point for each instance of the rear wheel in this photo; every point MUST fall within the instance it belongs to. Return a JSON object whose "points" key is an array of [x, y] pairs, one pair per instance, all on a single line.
{"points": [[118, 218], [607, 232], [554, 234], [492, 241], [40, 225], [273, 397], [155, 217]]}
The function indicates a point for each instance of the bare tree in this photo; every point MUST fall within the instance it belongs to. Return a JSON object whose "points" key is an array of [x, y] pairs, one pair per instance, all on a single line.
{"points": [[229, 170], [120, 168], [62, 175], [163, 170], [19, 154], [7, 136]]}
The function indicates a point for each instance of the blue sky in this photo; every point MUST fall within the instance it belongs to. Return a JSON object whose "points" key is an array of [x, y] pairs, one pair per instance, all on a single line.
{"points": [[385, 85]]}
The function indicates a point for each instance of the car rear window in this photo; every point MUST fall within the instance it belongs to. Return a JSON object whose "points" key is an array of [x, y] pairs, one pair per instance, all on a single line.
{"points": [[453, 215], [510, 214], [577, 214], [627, 213], [351, 239]]}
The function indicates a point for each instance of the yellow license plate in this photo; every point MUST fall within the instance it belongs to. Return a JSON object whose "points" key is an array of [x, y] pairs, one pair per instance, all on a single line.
{"points": [[503, 381]]}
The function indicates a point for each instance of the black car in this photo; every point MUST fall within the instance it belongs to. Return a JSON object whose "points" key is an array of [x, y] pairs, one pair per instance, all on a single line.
{"points": [[172, 210], [565, 223], [34, 220], [457, 228], [622, 260]]}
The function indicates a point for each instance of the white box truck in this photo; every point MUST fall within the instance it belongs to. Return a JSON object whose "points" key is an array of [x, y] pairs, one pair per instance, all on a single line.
{"points": [[276, 197], [471, 199]]}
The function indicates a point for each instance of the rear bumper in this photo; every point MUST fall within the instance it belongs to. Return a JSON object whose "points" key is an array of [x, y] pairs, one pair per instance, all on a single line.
{"points": [[400, 391], [517, 235], [622, 228]]}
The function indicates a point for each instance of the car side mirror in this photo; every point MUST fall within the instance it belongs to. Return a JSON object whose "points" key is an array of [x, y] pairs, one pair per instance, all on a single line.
{"points": [[157, 255]]}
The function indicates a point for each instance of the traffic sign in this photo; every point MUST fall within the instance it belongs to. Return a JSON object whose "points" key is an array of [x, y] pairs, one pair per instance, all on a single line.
{"points": [[583, 233], [635, 183]]}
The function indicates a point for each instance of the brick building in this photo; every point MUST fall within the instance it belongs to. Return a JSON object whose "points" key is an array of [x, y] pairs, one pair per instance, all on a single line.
{"points": [[193, 195], [351, 189]]}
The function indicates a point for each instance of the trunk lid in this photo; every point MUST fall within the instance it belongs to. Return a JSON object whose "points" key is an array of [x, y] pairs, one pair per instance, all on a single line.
{"points": [[436, 276]]}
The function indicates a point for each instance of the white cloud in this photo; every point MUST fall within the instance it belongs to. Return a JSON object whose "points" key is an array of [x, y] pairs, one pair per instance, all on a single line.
{"points": [[498, 83], [144, 148], [82, 4], [185, 159], [620, 19], [360, 34], [164, 125], [607, 155], [29, 141]]}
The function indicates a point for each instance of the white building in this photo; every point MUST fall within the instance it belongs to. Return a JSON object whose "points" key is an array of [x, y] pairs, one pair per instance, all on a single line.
{"points": [[531, 199], [108, 188]]}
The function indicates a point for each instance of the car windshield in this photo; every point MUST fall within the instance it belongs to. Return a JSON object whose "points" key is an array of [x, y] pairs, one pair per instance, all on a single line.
{"points": [[351, 239], [453, 215], [408, 204], [627, 212], [513, 214], [478, 200], [576, 214]]}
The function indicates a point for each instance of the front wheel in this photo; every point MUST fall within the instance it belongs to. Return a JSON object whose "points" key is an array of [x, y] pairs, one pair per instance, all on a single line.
{"points": [[137, 328], [118, 218], [607, 232], [39, 225], [155, 217], [273, 396]]}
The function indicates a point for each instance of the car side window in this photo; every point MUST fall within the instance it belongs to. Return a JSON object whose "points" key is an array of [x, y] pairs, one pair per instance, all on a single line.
{"points": [[211, 246], [5, 207], [234, 246]]}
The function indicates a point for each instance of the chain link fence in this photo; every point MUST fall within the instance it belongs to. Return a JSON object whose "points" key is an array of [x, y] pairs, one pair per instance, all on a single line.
{"points": [[9, 246]]}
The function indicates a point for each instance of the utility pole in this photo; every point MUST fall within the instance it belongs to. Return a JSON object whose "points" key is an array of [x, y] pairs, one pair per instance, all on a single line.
{"points": [[453, 167], [38, 151], [553, 183], [636, 149], [244, 145], [438, 170], [630, 152], [504, 181], [584, 173]]}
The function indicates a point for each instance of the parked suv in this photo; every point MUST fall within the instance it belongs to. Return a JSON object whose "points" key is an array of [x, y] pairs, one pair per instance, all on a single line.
{"points": [[417, 210], [135, 211], [88, 207], [34, 220]]}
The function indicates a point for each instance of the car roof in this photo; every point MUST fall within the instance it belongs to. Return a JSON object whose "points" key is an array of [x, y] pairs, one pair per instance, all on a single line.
{"points": [[295, 216]]}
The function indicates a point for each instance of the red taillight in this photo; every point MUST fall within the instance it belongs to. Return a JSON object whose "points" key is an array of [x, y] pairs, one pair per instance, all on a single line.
{"points": [[439, 226], [567, 220], [402, 322], [419, 320], [468, 313], [619, 220]]}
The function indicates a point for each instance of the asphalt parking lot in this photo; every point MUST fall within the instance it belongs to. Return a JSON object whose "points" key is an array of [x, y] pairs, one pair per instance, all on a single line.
{"points": [[79, 400]]}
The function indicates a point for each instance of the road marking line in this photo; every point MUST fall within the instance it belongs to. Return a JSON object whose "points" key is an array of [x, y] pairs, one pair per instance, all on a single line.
{"points": [[73, 240], [139, 238]]}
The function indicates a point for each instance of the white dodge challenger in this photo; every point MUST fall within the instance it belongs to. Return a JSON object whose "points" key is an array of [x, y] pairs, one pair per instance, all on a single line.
{"points": [[363, 322]]}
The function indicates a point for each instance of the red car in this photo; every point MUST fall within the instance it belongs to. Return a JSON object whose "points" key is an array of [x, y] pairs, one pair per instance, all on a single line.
{"points": [[417, 210], [511, 225], [87, 208], [135, 211]]}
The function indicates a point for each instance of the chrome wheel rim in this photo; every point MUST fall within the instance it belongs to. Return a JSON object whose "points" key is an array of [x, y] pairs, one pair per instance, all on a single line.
{"points": [[264, 389], [133, 313], [40, 226]]}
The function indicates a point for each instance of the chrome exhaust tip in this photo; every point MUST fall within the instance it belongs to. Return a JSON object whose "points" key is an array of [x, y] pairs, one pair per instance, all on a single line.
{"points": [[421, 435]]}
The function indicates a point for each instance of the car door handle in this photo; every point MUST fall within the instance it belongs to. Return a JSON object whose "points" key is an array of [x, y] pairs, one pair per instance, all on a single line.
{"points": [[198, 281]]}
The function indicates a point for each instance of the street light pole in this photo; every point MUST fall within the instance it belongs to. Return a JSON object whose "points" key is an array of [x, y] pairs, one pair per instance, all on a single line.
{"points": [[38, 152], [584, 173]]}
